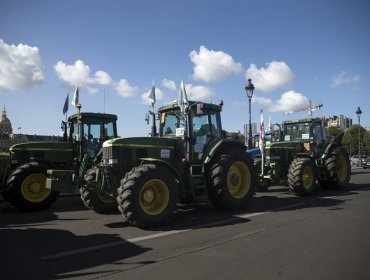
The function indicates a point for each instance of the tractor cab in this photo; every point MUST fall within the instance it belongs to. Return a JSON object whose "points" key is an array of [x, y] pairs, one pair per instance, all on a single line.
{"points": [[197, 127], [310, 132], [88, 131]]}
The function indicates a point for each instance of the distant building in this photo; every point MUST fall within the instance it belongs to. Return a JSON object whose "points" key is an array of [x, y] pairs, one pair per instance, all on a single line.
{"points": [[8, 139], [6, 132], [341, 121]]}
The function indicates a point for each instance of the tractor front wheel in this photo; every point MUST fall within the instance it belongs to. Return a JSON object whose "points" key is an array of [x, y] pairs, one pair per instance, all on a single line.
{"points": [[26, 188], [148, 195], [231, 181], [301, 176], [95, 198]]}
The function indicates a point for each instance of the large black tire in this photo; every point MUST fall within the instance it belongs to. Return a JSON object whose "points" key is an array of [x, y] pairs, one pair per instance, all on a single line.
{"points": [[148, 195], [96, 199], [26, 188], [231, 180], [302, 176], [338, 169]]}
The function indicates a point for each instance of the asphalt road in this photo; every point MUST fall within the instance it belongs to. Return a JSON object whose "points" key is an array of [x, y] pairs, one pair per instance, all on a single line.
{"points": [[279, 236]]}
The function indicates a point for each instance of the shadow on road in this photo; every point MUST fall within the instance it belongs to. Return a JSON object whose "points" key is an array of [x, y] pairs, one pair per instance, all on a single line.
{"points": [[278, 198], [45, 253]]}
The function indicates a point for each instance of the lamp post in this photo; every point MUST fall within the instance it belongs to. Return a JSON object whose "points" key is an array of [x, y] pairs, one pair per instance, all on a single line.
{"points": [[249, 88], [359, 112]]}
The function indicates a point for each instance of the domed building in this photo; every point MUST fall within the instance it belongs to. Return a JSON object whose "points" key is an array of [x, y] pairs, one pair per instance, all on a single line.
{"points": [[8, 139], [6, 132]]}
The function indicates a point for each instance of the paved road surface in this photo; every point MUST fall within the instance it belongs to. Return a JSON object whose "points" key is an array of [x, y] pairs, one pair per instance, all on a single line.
{"points": [[279, 236]]}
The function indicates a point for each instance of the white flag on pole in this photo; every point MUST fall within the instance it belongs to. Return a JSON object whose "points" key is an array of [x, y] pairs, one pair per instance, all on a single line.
{"points": [[262, 133], [151, 95], [76, 97], [183, 98], [270, 124]]}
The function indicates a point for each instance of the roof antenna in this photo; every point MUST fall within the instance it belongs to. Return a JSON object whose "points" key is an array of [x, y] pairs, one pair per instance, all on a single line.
{"points": [[210, 87], [104, 102]]}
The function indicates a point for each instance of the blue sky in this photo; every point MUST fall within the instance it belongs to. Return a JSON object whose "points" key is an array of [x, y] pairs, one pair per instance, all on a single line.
{"points": [[294, 51]]}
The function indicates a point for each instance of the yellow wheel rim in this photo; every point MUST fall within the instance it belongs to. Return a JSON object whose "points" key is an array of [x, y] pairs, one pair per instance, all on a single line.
{"points": [[154, 197], [33, 188], [238, 179], [307, 179], [341, 166]]}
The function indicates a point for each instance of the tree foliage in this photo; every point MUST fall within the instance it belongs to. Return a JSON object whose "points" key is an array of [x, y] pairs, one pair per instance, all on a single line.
{"points": [[350, 140], [336, 132]]}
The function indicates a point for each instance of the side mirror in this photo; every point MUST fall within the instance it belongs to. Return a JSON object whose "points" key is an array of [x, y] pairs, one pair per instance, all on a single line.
{"points": [[200, 109], [147, 118], [63, 127], [78, 135]]}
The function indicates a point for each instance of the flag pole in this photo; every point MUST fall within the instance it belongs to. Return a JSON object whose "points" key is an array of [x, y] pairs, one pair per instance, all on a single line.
{"points": [[262, 139]]}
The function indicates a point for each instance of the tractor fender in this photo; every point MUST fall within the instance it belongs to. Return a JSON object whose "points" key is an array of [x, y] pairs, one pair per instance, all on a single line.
{"points": [[222, 145], [328, 149], [43, 161], [302, 155], [169, 166]]}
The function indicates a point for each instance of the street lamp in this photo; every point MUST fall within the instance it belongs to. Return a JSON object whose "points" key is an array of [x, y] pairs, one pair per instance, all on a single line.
{"points": [[249, 88], [359, 112]]}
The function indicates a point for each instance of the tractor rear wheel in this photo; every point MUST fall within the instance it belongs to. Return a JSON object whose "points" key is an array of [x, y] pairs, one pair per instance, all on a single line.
{"points": [[148, 195], [95, 198], [231, 180], [26, 188], [302, 176], [338, 168]]}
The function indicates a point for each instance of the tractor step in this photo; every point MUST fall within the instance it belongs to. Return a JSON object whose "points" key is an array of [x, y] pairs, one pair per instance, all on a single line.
{"points": [[198, 181]]}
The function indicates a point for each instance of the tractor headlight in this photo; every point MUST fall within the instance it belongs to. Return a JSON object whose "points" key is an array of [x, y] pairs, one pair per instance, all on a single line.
{"points": [[112, 161], [13, 159]]}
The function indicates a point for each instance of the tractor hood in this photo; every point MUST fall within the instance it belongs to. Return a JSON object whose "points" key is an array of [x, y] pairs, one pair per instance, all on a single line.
{"points": [[56, 154], [140, 142], [42, 146], [296, 145], [130, 151]]}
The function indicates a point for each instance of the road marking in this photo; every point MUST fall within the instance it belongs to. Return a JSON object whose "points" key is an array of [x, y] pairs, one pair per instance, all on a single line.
{"points": [[161, 234]]}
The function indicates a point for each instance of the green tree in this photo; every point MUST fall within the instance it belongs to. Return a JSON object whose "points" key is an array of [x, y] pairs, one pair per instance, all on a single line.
{"points": [[236, 136], [350, 140], [336, 132]]}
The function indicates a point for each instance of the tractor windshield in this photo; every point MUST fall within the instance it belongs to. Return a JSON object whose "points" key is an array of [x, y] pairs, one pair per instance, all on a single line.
{"points": [[172, 124], [296, 131], [94, 132]]}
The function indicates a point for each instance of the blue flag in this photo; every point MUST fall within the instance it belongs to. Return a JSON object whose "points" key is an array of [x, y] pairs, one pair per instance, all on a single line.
{"points": [[66, 105]]}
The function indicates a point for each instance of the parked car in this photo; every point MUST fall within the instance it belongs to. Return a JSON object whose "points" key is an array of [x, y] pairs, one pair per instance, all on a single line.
{"points": [[354, 160], [365, 161]]}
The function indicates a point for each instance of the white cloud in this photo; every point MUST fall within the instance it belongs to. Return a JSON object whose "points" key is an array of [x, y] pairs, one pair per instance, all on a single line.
{"points": [[20, 67], [215, 64], [267, 102], [159, 95], [199, 93], [171, 85], [102, 78], [124, 88], [344, 79], [289, 102], [79, 74], [275, 75]]}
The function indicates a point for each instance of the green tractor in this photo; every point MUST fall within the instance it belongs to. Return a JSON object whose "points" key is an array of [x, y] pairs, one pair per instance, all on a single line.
{"points": [[190, 161], [24, 170], [303, 156]]}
